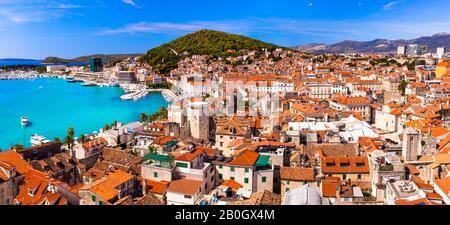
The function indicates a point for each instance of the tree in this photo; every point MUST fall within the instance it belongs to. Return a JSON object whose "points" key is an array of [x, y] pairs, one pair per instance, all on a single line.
{"points": [[57, 139], [143, 117], [69, 140], [106, 127], [70, 132], [18, 147], [82, 138], [152, 149], [402, 87]]}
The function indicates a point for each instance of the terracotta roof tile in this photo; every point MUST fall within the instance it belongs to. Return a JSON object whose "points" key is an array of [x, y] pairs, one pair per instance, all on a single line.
{"points": [[185, 186], [297, 174]]}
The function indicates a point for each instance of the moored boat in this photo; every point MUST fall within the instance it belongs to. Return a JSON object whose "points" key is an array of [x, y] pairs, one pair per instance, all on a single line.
{"points": [[24, 121], [37, 140]]}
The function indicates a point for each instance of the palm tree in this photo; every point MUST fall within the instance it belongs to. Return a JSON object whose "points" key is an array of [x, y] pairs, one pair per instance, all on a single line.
{"points": [[70, 131], [57, 139], [69, 140], [106, 127], [82, 138]]}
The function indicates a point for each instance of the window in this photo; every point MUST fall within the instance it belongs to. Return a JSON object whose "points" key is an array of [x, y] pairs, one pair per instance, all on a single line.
{"points": [[30, 192], [155, 174], [344, 177], [264, 179], [221, 144], [180, 164], [232, 169], [188, 196], [100, 203], [359, 176], [220, 176], [247, 170], [288, 182], [220, 166], [206, 186], [246, 180], [93, 198], [231, 178], [287, 189]]}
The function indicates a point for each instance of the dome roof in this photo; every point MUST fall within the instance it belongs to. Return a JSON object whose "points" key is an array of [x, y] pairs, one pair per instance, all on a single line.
{"points": [[305, 195]]}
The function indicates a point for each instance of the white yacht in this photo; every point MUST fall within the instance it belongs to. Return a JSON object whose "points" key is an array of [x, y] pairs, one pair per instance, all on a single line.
{"points": [[24, 121], [36, 140]]}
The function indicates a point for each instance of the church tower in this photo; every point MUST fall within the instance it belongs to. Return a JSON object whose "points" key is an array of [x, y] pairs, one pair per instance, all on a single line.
{"points": [[411, 145]]}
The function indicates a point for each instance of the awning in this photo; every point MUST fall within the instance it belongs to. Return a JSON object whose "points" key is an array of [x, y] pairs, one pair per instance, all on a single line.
{"points": [[158, 157], [263, 160]]}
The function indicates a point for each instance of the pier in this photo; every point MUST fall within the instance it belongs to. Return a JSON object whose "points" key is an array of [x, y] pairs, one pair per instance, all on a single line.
{"points": [[168, 95]]}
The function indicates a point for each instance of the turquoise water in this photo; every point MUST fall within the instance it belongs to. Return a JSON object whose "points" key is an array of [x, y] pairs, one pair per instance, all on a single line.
{"points": [[52, 105]]}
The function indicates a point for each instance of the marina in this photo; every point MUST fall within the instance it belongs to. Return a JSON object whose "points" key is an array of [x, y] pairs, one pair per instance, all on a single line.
{"points": [[56, 105]]}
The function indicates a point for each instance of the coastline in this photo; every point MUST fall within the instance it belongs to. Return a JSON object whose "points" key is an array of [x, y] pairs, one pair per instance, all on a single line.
{"points": [[96, 106]]}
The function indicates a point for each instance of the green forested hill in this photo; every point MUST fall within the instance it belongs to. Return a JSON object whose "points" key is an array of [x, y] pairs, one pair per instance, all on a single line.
{"points": [[203, 42]]}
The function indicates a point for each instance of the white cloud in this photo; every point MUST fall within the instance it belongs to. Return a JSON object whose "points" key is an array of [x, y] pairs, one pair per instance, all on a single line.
{"points": [[165, 27], [131, 2], [66, 6], [392, 4], [29, 11], [332, 30], [310, 4]]}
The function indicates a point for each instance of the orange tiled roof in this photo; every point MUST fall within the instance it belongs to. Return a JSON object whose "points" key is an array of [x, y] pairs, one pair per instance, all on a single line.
{"points": [[188, 156], [443, 64], [245, 158], [157, 187], [444, 184], [233, 184], [185, 186], [369, 144], [106, 188], [297, 174], [421, 201], [37, 183], [329, 186], [339, 165], [94, 143], [15, 159]]}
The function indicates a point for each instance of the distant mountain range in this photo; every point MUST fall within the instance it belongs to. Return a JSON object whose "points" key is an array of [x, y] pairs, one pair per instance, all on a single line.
{"points": [[108, 60], [377, 45]]}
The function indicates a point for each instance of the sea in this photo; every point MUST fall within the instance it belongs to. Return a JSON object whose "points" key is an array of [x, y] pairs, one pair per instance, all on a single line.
{"points": [[53, 105], [34, 62]]}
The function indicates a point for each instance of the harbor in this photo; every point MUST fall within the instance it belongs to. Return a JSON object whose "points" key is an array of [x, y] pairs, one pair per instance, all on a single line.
{"points": [[48, 109]]}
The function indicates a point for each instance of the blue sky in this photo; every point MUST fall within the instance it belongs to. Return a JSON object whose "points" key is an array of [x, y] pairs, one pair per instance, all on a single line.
{"points": [[70, 28]]}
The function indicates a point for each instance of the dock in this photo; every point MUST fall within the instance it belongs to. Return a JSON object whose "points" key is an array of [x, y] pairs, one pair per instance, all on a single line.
{"points": [[168, 95]]}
